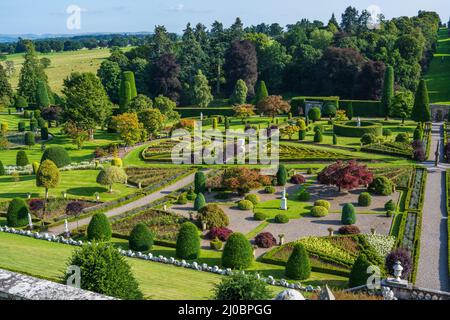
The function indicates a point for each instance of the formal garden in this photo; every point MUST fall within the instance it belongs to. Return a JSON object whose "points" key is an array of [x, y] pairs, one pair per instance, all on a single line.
{"points": [[88, 169]]}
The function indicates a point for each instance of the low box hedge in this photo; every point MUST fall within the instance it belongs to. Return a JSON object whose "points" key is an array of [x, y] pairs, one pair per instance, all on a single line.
{"points": [[350, 129]]}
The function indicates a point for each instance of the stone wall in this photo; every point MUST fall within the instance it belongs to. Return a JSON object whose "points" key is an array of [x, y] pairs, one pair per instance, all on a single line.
{"points": [[15, 286]]}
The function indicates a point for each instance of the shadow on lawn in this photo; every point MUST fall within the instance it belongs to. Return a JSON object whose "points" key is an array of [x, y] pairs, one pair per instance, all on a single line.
{"points": [[86, 191]]}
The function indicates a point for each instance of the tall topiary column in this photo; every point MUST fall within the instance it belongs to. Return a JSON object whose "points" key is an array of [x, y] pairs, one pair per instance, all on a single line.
{"points": [[281, 175], [298, 266], [237, 253], [200, 182], [359, 275], [188, 242], [348, 214], [127, 91], [261, 92], [388, 90], [2, 169], [199, 202], [21, 159], [421, 110]]}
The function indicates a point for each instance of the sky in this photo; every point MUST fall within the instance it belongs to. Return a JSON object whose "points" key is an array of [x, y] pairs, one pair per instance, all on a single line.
{"points": [[50, 16]]}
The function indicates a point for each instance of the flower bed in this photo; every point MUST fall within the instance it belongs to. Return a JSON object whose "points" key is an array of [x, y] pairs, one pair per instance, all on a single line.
{"points": [[149, 176], [165, 225], [400, 176], [381, 244], [301, 153], [390, 148]]}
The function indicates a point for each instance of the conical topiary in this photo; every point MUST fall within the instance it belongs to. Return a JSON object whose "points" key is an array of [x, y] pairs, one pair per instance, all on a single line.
{"points": [[141, 238], [237, 253], [188, 242], [99, 228], [199, 202], [298, 266]]}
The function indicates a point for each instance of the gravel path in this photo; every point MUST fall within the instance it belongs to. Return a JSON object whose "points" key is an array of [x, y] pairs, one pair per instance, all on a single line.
{"points": [[433, 264], [132, 205]]}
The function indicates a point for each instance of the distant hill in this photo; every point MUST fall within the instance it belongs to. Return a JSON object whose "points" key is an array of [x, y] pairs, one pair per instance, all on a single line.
{"points": [[5, 38]]}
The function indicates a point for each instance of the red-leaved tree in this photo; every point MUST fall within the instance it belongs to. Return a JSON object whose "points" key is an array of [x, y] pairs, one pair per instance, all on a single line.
{"points": [[346, 175]]}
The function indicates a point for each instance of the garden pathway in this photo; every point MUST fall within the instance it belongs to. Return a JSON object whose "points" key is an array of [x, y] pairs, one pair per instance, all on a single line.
{"points": [[132, 205], [433, 264]]}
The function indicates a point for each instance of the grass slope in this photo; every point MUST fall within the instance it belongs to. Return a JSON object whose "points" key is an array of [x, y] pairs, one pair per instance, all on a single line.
{"points": [[438, 77]]}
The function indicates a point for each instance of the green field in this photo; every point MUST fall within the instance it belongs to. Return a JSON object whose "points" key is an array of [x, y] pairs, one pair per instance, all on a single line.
{"points": [[157, 281], [438, 76], [63, 64]]}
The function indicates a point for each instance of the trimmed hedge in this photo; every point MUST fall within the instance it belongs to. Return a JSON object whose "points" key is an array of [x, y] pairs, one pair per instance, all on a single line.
{"points": [[238, 252], [245, 205], [22, 159], [199, 202], [350, 129], [319, 211], [253, 198], [323, 203], [141, 238], [213, 216], [188, 242], [348, 214], [363, 108], [99, 228], [364, 199], [58, 155], [359, 275], [260, 216], [17, 214], [281, 218], [381, 186], [195, 112]]}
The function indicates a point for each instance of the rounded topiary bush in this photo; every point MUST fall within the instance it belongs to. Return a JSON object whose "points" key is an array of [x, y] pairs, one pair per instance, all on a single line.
{"points": [[253, 198], [199, 202], [402, 137], [298, 266], [213, 216], [270, 189], [381, 186], [281, 175], [245, 205], [22, 159], [318, 137], [390, 206], [323, 203], [17, 214], [314, 114], [99, 228], [141, 238], [188, 242], [265, 240], [30, 139], [237, 253], [365, 199], [104, 270], [241, 287], [348, 214], [260, 216], [329, 110], [319, 211], [349, 230], [368, 138], [216, 244], [358, 275], [58, 155], [281, 218], [117, 162]]}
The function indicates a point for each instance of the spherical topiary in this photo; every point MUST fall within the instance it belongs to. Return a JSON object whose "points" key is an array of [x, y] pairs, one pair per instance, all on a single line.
{"points": [[104, 270], [58, 155], [314, 114], [188, 242], [2, 169], [270, 189], [213, 216], [349, 230], [99, 228], [281, 175], [17, 214], [329, 110], [402, 137], [117, 162], [304, 195], [319, 211], [368, 138], [265, 240], [182, 199], [381, 186], [390, 206], [323, 203], [348, 214], [318, 137], [358, 274], [253, 198], [364, 199], [21, 159], [245, 205], [402, 255], [281, 218], [298, 266], [199, 202], [238, 252], [141, 238], [260, 216]]}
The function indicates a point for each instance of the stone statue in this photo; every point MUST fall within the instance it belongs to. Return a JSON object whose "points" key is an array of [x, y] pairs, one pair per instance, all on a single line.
{"points": [[388, 294], [30, 221], [66, 228], [359, 122], [201, 116], [283, 205], [290, 294]]}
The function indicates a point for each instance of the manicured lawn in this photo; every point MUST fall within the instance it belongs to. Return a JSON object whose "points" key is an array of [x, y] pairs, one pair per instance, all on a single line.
{"points": [[438, 76], [272, 207], [12, 120], [157, 281], [77, 184], [101, 138]]}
